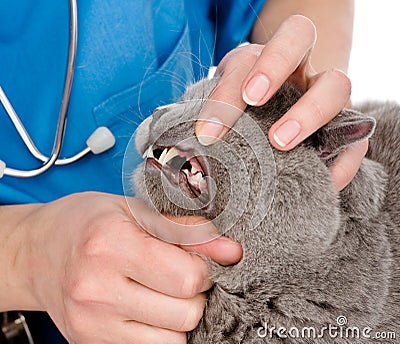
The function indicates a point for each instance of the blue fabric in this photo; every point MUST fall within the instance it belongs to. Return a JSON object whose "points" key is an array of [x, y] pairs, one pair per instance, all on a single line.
{"points": [[131, 58]]}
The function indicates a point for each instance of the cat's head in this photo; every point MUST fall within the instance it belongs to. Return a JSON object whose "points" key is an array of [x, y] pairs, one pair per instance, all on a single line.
{"points": [[241, 177]]}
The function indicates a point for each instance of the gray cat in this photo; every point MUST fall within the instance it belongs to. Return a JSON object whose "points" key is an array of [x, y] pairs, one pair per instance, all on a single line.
{"points": [[318, 266]]}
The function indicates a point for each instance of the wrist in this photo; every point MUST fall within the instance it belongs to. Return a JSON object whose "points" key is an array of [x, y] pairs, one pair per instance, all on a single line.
{"points": [[16, 289]]}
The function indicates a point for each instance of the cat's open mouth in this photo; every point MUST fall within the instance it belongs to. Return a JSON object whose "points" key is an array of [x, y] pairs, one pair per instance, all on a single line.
{"points": [[185, 169]]}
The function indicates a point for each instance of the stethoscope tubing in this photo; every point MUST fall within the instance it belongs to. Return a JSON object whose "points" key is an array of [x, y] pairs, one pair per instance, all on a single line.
{"points": [[101, 140], [62, 117], [23, 133]]}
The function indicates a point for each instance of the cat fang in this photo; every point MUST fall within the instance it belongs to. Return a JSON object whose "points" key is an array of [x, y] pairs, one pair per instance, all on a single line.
{"points": [[182, 169]]}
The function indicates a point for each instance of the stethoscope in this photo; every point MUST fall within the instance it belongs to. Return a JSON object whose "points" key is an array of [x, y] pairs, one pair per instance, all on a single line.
{"points": [[101, 139]]}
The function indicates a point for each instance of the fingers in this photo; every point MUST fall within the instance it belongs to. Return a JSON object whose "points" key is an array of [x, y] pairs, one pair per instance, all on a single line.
{"points": [[225, 104], [183, 230], [347, 164], [323, 101], [175, 272], [262, 70], [136, 302], [222, 250], [108, 327], [138, 333], [146, 253], [195, 233], [117, 275], [282, 55]]}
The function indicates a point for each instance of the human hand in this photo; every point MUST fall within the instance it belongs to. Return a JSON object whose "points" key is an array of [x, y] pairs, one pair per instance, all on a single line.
{"points": [[252, 74], [102, 279]]}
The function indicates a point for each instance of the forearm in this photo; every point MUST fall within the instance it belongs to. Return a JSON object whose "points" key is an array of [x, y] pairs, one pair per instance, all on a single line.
{"points": [[332, 18], [15, 284]]}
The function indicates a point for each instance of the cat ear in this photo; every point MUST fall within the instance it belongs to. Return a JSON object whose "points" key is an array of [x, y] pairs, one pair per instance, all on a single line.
{"points": [[345, 129]]}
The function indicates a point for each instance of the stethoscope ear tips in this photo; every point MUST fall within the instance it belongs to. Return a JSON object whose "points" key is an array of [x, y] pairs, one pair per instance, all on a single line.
{"points": [[2, 168], [101, 140]]}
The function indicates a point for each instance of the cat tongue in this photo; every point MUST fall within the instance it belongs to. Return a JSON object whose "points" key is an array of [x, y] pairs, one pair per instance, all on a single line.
{"points": [[197, 181], [195, 163]]}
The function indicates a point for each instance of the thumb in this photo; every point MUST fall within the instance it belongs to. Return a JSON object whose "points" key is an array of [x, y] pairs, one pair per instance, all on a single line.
{"points": [[191, 233], [222, 250]]}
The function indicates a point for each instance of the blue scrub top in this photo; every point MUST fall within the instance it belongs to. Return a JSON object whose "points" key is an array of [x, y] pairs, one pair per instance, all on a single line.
{"points": [[132, 57]]}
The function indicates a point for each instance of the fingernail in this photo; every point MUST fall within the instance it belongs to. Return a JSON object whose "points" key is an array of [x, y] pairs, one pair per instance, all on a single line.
{"points": [[210, 130], [231, 251], [229, 244], [256, 89], [226, 240], [287, 132]]}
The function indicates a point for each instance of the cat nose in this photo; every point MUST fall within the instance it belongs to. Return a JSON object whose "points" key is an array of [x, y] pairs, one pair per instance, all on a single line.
{"points": [[158, 112]]}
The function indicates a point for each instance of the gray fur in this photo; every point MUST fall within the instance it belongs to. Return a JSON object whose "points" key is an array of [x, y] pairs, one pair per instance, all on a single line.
{"points": [[317, 254]]}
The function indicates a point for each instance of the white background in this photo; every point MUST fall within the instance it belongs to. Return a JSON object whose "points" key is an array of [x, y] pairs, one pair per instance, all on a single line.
{"points": [[375, 60]]}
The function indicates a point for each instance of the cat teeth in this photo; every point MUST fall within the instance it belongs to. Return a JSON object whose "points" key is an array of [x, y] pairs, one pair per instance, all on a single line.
{"points": [[196, 180], [172, 153], [162, 156], [198, 177], [144, 156], [148, 153], [167, 155]]}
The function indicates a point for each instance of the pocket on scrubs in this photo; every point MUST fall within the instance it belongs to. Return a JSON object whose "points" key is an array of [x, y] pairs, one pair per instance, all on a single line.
{"points": [[124, 111]]}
